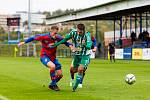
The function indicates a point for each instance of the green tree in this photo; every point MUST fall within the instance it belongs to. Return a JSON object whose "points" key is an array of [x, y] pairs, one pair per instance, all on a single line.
{"points": [[57, 12], [2, 29], [48, 14]]}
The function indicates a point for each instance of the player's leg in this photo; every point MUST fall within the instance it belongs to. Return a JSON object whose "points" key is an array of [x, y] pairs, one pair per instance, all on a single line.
{"points": [[110, 57], [46, 61], [73, 70], [76, 62], [81, 82], [83, 64], [59, 74], [71, 73], [78, 77], [113, 56]]}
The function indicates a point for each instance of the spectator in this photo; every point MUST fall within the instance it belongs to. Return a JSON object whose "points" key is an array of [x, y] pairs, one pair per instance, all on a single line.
{"points": [[99, 47], [141, 36], [120, 42], [133, 37], [145, 34], [111, 49], [146, 37]]}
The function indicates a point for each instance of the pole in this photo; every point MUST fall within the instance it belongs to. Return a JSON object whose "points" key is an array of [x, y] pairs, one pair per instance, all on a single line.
{"points": [[135, 23], [126, 25], [140, 23], [29, 26], [29, 18], [146, 22], [8, 34], [19, 33], [114, 30], [121, 27], [96, 29], [130, 24]]}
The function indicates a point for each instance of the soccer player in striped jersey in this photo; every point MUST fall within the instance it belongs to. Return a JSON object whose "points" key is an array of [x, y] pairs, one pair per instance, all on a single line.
{"points": [[82, 44], [72, 71], [48, 55]]}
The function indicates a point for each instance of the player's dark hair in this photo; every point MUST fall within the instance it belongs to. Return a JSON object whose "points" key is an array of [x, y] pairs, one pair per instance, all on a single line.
{"points": [[81, 27], [54, 27]]}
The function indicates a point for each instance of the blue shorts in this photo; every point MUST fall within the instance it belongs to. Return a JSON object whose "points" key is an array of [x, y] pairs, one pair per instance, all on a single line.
{"points": [[46, 59]]}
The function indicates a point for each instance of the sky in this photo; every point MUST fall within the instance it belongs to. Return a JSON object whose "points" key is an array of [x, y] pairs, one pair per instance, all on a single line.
{"points": [[11, 6]]}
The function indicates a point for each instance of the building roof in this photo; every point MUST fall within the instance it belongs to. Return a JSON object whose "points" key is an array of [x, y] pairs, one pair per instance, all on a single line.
{"points": [[108, 11]]}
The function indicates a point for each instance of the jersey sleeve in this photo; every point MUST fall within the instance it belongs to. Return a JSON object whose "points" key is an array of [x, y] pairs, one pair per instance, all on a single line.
{"points": [[67, 37], [94, 41], [88, 42], [38, 37], [29, 39], [61, 38]]}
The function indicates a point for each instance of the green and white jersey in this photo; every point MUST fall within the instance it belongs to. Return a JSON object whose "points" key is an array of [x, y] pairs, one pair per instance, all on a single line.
{"points": [[83, 42]]}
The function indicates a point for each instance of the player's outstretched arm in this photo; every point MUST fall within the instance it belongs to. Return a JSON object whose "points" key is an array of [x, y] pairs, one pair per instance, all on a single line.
{"points": [[67, 37], [68, 44], [26, 41], [30, 39]]}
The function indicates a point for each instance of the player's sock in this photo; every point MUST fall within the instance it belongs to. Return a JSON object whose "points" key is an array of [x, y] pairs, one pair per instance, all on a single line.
{"points": [[72, 76], [71, 73], [58, 77], [111, 58], [53, 77], [77, 81], [114, 58], [82, 78]]}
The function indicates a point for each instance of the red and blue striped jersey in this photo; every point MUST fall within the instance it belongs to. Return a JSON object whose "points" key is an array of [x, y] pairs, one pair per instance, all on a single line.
{"points": [[46, 40]]}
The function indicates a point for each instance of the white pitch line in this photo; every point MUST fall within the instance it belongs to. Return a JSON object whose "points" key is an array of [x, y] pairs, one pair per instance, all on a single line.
{"points": [[3, 97]]}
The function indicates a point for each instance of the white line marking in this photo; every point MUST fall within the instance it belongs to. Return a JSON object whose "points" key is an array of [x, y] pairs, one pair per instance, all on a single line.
{"points": [[3, 97]]}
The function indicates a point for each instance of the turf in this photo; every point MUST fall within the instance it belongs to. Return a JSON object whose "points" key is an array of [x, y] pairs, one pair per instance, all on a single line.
{"points": [[27, 79]]}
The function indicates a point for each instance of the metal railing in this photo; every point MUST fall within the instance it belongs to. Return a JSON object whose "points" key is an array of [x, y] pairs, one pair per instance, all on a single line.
{"points": [[11, 50]]}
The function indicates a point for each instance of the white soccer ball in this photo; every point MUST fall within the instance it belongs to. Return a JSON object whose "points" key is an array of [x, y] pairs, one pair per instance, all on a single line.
{"points": [[130, 79]]}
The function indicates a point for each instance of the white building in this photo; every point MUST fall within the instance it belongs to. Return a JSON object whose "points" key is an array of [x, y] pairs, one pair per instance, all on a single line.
{"points": [[37, 21], [36, 18]]}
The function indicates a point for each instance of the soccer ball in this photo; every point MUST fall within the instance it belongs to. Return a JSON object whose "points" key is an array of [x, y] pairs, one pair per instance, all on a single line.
{"points": [[130, 79]]}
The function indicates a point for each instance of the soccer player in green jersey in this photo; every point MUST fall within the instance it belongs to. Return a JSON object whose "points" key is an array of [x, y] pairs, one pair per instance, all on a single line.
{"points": [[72, 71], [82, 45]]}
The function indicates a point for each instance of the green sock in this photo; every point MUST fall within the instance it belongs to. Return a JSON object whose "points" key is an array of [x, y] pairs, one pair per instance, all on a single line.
{"points": [[77, 81]]}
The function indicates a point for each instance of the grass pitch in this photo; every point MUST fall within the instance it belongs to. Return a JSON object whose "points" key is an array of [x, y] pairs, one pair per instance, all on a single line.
{"points": [[27, 79]]}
